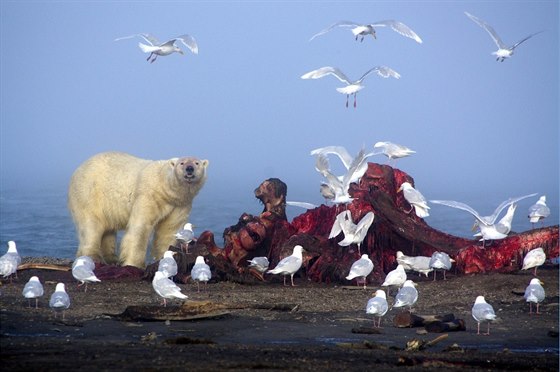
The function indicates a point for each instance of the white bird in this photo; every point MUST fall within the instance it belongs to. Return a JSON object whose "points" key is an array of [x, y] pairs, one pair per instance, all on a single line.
{"points": [[304, 205], [395, 278], [377, 306], [534, 258], [503, 51], [487, 224], [168, 264], [82, 272], [200, 272], [155, 48], [353, 233], [369, 29], [361, 269], [165, 288], [59, 300], [10, 261], [185, 236], [407, 295], [392, 150], [504, 225], [420, 264], [539, 211], [289, 265], [534, 293], [415, 199], [87, 261], [339, 186], [33, 289], [352, 87], [483, 312], [441, 261], [259, 263]]}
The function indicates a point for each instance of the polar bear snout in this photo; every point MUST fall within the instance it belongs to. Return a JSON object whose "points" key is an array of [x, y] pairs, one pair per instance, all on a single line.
{"points": [[189, 170]]}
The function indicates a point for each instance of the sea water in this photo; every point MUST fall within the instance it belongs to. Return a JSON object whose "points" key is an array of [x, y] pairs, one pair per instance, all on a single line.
{"points": [[41, 225]]}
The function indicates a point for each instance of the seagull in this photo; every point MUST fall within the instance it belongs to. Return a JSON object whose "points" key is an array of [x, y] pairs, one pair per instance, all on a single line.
{"points": [[420, 264], [486, 224], [369, 29], [483, 312], [10, 261], [59, 300], [289, 265], [353, 233], [259, 263], [503, 51], [82, 272], [395, 278], [539, 211], [415, 199], [299, 204], [407, 295], [185, 236], [440, 261], [392, 150], [165, 287], [200, 272], [87, 261], [534, 258], [322, 163], [361, 268], [352, 87], [168, 264], [534, 293], [338, 186], [504, 225], [377, 306], [33, 289], [155, 48]]}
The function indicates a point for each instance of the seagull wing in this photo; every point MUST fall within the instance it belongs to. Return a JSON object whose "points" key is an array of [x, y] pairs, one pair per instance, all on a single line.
{"points": [[189, 42], [337, 24], [327, 70], [525, 39], [400, 28], [488, 29], [507, 203], [463, 206], [301, 204], [382, 71], [365, 223], [335, 150]]}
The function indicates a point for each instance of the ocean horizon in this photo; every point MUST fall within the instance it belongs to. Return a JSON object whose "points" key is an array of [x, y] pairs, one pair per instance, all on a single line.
{"points": [[41, 225]]}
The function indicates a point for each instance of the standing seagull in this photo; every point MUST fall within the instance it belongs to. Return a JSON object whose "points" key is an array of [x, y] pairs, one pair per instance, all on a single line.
{"points": [[395, 278], [59, 300], [534, 258], [483, 312], [534, 293], [407, 295], [165, 287], [415, 199], [289, 265], [185, 236], [392, 150], [369, 29], [200, 272], [353, 233], [539, 211], [361, 269], [440, 261], [259, 263], [155, 48], [377, 306], [352, 87], [33, 289], [168, 264], [10, 261], [82, 272], [503, 51]]}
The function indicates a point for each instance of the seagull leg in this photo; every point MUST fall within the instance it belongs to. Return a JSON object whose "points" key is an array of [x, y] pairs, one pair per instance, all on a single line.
{"points": [[36, 303], [284, 280], [478, 328], [488, 329], [293, 285], [537, 308], [150, 56], [347, 100]]}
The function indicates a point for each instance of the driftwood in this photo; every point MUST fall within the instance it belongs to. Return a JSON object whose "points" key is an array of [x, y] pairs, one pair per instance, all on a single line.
{"points": [[409, 320], [416, 344], [40, 266]]}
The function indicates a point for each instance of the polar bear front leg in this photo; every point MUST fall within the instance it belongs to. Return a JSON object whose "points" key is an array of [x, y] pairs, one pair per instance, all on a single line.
{"points": [[108, 247], [134, 243], [165, 230]]}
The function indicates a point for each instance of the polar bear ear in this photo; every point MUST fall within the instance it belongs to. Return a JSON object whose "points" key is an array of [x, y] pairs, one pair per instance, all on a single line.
{"points": [[172, 162], [205, 163]]}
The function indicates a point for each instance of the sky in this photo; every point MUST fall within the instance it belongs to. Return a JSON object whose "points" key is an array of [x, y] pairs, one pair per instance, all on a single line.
{"points": [[479, 127]]}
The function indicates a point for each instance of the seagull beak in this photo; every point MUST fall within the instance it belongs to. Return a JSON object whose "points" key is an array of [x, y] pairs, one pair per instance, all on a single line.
{"points": [[399, 189], [474, 226]]}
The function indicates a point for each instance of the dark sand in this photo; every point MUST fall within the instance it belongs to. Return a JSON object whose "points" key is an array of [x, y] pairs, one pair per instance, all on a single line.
{"points": [[310, 330]]}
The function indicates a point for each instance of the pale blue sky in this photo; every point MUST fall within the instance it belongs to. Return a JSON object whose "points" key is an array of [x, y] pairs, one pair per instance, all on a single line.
{"points": [[479, 127]]}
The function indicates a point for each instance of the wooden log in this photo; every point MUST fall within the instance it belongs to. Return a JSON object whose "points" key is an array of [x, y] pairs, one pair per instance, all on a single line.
{"points": [[406, 319], [452, 326]]}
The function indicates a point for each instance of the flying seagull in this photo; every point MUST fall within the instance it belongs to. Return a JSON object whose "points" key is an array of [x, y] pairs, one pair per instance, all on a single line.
{"points": [[352, 87], [503, 51], [369, 29], [155, 48]]}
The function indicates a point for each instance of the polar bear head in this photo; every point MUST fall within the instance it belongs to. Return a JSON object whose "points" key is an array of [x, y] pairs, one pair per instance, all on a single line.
{"points": [[189, 169]]}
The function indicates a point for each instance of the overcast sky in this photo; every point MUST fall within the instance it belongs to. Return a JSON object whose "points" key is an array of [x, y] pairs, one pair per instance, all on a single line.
{"points": [[480, 127]]}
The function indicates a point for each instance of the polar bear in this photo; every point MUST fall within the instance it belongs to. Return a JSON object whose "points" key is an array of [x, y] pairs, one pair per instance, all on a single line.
{"points": [[116, 191]]}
